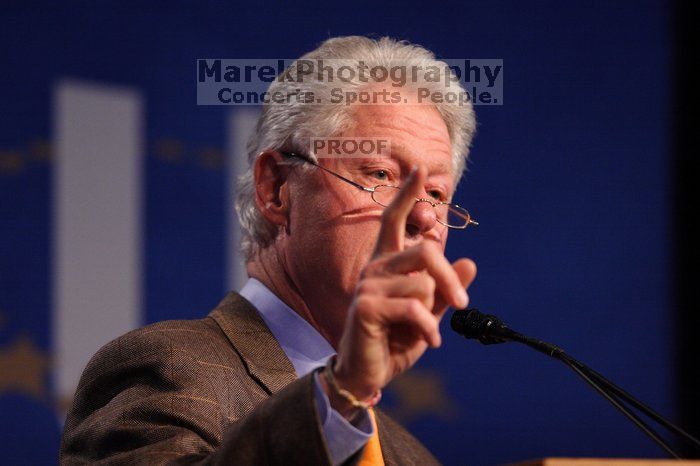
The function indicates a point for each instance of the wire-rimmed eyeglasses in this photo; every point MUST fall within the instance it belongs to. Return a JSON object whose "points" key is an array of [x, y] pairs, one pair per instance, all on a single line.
{"points": [[450, 215]]}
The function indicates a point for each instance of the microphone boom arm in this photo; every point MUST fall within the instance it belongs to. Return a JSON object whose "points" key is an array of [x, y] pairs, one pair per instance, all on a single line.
{"points": [[489, 329]]}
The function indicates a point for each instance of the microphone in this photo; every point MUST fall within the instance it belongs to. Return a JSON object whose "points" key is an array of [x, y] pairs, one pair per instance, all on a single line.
{"points": [[489, 329], [486, 328]]}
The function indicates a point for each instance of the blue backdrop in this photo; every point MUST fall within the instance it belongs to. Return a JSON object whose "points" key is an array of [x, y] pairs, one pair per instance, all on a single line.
{"points": [[570, 179]]}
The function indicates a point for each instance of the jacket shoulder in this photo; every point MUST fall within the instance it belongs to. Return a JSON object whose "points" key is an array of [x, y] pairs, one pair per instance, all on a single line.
{"points": [[189, 359], [159, 343]]}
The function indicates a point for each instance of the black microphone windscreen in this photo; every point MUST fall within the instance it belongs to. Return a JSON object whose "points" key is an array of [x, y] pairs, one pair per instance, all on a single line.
{"points": [[467, 323], [471, 323]]}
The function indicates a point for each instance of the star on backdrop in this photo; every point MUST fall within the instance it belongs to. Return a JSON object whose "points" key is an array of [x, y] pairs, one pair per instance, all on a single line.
{"points": [[23, 369]]}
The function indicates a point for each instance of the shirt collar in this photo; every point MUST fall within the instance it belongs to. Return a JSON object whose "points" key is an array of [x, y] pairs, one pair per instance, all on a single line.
{"points": [[303, 345]]}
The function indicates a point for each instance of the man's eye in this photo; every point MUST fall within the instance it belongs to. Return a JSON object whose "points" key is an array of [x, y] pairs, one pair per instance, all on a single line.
{"points": [[437, 195], [381, 175]]}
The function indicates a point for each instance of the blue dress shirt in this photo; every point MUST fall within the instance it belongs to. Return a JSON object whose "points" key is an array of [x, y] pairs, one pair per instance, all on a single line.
{"points": [[308, 351]]}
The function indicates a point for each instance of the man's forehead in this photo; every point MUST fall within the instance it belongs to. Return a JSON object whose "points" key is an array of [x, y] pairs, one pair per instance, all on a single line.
{"points": [[415, 133], [436, 161], [400, 114]]}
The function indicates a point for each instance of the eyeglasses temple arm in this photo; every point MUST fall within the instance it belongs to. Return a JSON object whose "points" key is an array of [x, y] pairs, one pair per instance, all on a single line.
{"points": [[359, 186]]}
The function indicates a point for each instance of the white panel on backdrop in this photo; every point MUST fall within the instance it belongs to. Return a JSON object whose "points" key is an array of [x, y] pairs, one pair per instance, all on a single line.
{"points": [[97, 208], [241, 124]]}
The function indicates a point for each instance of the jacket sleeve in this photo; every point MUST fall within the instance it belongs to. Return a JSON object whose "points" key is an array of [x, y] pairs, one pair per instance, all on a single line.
{"points": [[143, 400]]}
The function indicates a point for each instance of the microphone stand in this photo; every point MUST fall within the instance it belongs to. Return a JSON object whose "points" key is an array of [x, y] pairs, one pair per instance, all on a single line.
{"points": [[604, 387], [644, 427], [617, 391], [488, 329]]}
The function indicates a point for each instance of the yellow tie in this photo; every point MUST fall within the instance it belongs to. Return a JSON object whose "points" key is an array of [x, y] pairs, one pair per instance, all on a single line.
{"points": [[372, 456]]}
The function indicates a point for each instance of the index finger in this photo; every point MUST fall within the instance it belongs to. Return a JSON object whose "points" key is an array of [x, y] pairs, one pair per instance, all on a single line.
{"points": [[393, 229]]}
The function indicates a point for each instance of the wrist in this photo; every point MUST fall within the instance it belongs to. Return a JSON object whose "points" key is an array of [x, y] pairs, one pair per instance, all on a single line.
{"points": [[342, 399], [337, 402], [351, 381]]}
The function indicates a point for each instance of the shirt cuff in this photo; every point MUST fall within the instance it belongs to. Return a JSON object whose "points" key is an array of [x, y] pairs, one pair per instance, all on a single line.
{"points": [[342, 438]]}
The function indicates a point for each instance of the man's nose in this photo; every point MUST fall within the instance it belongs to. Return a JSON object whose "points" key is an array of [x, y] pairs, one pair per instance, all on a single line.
{"points": [[421, 219]]}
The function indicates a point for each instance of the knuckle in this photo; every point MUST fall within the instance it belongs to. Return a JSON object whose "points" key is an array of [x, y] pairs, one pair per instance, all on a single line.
{"points": [[425, 251], [373, 268], [414, 308], [365, 287], [428, 284], [363, 305]]}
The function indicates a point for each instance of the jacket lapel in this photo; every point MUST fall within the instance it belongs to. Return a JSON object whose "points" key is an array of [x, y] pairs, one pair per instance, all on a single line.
{"points": [[385, 439], [398, 446], [266, 363], [262, 355]]}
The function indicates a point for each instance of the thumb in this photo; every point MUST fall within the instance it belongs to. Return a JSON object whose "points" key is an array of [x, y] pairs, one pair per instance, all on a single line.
{"points": [[466, 271]]}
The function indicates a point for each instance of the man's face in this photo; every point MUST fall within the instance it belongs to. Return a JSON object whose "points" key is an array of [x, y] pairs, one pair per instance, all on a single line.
{"points": [[333, 226]]}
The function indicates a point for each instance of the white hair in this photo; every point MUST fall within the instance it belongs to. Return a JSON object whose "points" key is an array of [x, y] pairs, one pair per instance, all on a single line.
{"points": [[289, 126]]}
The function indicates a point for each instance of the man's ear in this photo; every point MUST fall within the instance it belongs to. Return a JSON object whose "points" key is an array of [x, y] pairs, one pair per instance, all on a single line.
{"points": [[271, 187]]}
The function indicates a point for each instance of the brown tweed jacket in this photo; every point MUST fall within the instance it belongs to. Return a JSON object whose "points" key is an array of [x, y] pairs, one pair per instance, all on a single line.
{"points": [[218, 390]]}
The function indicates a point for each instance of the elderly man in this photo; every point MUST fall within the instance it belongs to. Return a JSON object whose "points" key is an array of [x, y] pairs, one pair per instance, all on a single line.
{"points": [[348, 283]]}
